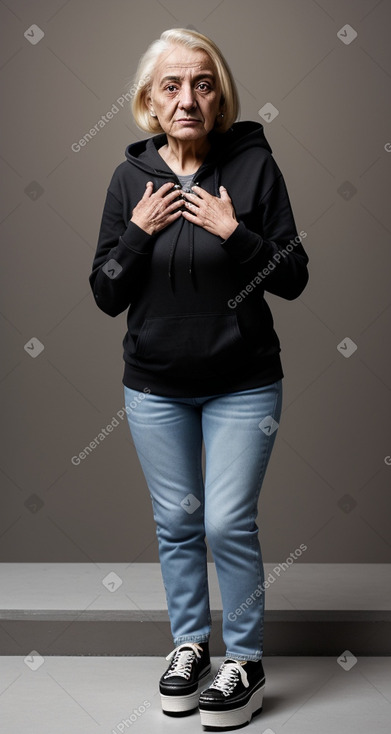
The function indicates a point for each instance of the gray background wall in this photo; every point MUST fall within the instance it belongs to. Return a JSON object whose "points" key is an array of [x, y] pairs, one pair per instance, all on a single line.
{"points": [[328, 481]]}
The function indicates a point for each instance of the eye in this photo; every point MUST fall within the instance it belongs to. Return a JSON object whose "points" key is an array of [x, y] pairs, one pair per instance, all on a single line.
{"points": [[171, 87], [205, 86]]}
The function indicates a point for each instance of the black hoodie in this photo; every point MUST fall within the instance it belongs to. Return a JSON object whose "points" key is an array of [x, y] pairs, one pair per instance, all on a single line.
{"points": [[198, 323]]}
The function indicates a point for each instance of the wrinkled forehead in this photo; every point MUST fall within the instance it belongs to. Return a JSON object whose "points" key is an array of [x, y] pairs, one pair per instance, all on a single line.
{"points": [[184, 61]]}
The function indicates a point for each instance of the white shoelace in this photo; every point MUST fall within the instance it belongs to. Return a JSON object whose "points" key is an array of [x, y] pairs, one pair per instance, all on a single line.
{"points": [[227, 677], [182, 660]]}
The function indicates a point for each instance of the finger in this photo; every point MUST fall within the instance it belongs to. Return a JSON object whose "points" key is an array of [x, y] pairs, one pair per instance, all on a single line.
{"points": [[164, 188], [174, 204], [201, 192], [190, 195], [194, 199], [224, 193], [173, 216], [173, 195], [148, 190], [190, 216], [193, 209]]}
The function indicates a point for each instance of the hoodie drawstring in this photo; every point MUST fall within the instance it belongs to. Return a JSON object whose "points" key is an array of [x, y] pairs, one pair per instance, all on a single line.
{"points": [[216, 184], [216, 179], [172, 252]]}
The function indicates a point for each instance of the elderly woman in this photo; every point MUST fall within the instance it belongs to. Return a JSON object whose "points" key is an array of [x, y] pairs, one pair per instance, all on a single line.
{"points": [[196, 226]]}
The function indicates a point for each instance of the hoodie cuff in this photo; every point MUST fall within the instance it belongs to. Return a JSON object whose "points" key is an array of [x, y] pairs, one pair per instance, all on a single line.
{"points": [[137, 240], [242, 244]]}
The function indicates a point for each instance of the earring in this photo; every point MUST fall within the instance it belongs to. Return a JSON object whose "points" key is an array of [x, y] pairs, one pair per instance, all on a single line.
{"points": [[152, 114]]}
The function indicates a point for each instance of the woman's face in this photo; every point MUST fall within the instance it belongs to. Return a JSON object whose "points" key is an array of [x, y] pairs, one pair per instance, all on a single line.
{"points": [[185, 93]]}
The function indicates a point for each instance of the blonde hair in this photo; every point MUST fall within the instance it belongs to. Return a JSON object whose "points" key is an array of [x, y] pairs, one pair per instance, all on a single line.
{"points": [[143, 78]]}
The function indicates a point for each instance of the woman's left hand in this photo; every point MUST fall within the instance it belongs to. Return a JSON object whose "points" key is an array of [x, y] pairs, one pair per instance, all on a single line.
{"points": [[213, 213]]}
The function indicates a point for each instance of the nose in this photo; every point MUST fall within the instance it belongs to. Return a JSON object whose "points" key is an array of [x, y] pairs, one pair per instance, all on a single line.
{"points": [[187, 97]]}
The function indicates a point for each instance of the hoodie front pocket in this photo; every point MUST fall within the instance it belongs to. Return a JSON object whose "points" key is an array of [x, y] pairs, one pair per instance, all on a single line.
{"points": [[203, 344]]}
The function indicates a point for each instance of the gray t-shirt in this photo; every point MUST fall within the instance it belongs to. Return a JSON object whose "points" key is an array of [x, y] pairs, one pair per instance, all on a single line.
{"points": [[186, 181]]}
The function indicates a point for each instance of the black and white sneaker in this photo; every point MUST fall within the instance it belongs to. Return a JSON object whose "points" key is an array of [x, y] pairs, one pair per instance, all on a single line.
{"points": [[235, 695], [187, 673]]}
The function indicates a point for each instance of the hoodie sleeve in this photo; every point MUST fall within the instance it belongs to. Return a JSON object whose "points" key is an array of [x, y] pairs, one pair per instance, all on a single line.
{"points": [[275, 249], [121, 257]]}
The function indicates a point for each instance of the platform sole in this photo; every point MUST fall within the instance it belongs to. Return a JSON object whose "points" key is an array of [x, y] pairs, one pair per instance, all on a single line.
{"points": [[235, 717], [184, 704]]}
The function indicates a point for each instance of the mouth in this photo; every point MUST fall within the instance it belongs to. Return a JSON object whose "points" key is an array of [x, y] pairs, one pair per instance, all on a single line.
{"points": [[188, 119]]}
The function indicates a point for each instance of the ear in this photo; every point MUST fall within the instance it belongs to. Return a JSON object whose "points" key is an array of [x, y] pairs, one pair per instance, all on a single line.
{"points": [[149, 105]]}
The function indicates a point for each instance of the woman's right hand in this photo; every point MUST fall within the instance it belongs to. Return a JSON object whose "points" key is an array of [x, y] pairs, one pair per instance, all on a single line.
{"points": [[157, 210]]}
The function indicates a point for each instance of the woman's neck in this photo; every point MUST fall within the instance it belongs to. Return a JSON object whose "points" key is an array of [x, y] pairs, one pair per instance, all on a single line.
{"points": [[184, 156]]}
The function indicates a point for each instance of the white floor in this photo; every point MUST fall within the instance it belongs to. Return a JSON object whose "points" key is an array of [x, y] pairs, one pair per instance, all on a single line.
{"points": [[106, 695]]}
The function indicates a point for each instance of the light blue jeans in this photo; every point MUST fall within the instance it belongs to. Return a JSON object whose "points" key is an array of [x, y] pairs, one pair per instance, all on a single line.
{"points": [[238, 430]]}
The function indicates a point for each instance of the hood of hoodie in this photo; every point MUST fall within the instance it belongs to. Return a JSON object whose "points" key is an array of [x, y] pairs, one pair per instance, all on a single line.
{"points": [[242, 135], [224, 147]]}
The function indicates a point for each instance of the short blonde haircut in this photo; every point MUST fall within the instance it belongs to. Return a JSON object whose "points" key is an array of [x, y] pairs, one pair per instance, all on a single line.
{"points": [[143, 79]]}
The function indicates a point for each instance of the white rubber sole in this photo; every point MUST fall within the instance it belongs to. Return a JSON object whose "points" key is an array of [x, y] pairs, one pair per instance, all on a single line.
{"points": [[237, 717], [181, 704]]}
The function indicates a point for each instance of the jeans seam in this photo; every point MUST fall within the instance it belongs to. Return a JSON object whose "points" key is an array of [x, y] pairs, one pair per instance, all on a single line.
{"points": [[265, 463]]}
